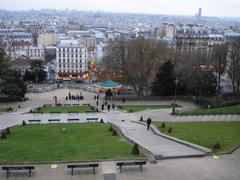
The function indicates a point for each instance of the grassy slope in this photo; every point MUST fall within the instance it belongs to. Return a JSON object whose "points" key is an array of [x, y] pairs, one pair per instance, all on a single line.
{"points": [[3, 109], [42, 143], [214, 111], [206, 133]]}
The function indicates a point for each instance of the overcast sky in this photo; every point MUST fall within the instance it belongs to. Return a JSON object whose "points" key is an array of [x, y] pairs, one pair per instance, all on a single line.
{"points": [[175, 7]]}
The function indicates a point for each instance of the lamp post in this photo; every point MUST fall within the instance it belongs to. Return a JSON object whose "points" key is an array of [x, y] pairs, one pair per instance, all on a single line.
{"points": [[174, 100]]}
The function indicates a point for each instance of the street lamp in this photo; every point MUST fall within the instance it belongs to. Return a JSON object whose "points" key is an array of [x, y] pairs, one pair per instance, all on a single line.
{"points": [[175, 93]]}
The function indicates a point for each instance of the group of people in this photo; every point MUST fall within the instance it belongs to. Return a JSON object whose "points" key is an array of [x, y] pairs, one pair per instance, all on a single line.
{"points": [[105, 103], [74, 97]]}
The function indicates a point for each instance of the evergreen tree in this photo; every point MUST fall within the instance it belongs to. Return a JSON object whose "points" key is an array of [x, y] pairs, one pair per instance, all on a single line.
{"points": [[164, 82]]}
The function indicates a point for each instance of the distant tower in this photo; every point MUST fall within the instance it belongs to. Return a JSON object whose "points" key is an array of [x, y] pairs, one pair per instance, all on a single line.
{"points": [[199, 13]]}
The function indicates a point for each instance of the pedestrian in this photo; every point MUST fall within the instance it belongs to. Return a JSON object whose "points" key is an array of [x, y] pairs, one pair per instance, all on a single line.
{"points": [[149, 120], [105, 103], [66, 98], [123, 100], [97, 103], [95, 97], [98, 97], [102, 107], [108, 107]]}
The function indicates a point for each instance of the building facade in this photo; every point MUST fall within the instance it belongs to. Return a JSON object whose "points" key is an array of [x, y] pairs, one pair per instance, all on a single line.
{"points": [[71, 61]]}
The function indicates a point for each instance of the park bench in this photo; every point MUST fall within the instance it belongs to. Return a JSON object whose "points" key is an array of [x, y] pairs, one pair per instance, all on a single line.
{"points": [[72, 111], [85, 165], [86, 104], [92, 119], [47, 105], [53, 120], [18, 168], [34, 121], [73, 119], [67, 105], [76, 104], [131, 163]]}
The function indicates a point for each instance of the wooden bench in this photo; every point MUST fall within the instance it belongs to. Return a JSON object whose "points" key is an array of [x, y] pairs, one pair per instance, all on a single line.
{"points": [[55, 112], [34, 121], [67, 105], [18, 168], [53, 120], [85, 165], [131, 163], [73, 112], [73, 119], [92, 119]]}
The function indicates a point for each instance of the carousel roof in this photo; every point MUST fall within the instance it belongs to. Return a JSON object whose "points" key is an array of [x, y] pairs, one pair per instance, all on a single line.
{"points": [[108, 84]]}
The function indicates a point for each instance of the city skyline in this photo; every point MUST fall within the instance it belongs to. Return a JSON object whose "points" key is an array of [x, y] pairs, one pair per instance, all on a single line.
{"points": [[227, 8]]}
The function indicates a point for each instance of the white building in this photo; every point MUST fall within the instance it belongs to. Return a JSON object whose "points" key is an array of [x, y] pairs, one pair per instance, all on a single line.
{"points": [[37, 52], [48, 39], [71, 60]]}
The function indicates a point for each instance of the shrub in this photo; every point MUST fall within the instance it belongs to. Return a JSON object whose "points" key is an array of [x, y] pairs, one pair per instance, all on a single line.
{"points": [[110, 128], [135, 150], [101, 121], [217, 146], [9, 108], [130, 110], [163, 125], [38, 109], [3, 135], [30, 111], [114, 133], [169, 129], [24, 123], [141, 119], [8, 130]]}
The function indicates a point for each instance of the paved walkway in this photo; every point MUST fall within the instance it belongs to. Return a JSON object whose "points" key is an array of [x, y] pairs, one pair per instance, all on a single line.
{"points": [[159, 146], [206, 168]]}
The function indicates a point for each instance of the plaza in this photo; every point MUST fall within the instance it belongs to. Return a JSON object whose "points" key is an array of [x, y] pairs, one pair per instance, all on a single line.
{"points": [[168, 157]]}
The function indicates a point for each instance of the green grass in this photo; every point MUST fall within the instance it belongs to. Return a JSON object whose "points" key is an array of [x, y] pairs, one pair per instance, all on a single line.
{"points": [[2, 109], [135, 108], [65, 109], [206, 134], [47, 143], [214, 111]]}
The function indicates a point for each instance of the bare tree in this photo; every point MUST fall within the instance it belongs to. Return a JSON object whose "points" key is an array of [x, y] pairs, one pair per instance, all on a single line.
{"points": [[233, 65], [219, 61], [137, 59]]}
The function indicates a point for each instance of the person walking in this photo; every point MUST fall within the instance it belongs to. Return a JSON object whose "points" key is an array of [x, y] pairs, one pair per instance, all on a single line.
{"points": [[102, 107], [108, 107], [97, 103], [149, 120]]}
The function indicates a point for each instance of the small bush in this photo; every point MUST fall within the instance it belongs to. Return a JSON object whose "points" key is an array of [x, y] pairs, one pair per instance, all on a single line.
{"points": [[101, 121], [30, 111], [114, 133], [3, 135], [217, 146], [8, 130], [24, 123], [130, 110], [163, 125], [169, 129], [38, 109], [141, 119], [135, 150], [110, 129], [9, 108]]}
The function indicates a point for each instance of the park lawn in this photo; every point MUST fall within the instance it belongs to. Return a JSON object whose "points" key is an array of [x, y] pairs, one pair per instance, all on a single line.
{"points": [[214, 111], [65, 109], [48, 143], [206, 134], [135, 108], [3, 109]]}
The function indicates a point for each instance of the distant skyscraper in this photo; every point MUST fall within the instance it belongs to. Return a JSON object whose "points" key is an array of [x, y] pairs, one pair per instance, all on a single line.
{"points": [[199, 12]]}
